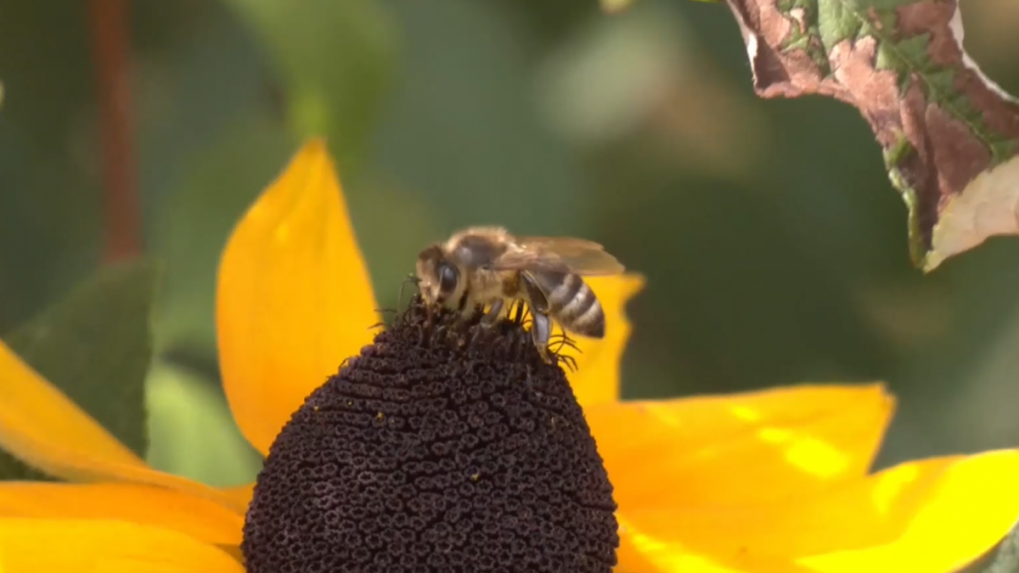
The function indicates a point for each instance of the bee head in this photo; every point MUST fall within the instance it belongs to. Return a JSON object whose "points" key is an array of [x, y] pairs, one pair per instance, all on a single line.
{"points": [[439, 278]]}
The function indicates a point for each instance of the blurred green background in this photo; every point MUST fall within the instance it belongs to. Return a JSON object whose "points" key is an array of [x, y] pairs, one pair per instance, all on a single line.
{"points": [[774, 246]]}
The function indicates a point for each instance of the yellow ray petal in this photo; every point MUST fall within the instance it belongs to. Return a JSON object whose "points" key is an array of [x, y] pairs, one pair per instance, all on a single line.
{"points": [[294, 297], [40, 425], [697, 451], [241, 494], [629, 557], [71, 546], [929, 516], [596, 380], [33, 409], [199, 518]]}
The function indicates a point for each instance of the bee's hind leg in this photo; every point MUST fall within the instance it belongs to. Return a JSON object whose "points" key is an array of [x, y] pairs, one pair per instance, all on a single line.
{"points": [[541, 331], [489, 320], [541, 324], [564, 341]]}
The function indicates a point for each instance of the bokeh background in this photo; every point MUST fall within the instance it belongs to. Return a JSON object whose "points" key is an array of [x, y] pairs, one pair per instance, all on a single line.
{"points": [[774, 246]]}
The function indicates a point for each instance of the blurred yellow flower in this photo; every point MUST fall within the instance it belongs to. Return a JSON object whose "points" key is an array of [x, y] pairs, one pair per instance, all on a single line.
{"points": [[773, 481]]}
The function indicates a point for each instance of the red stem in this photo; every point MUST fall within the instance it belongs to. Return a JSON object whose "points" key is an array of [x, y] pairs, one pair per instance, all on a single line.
{"points": [[108, 23]]}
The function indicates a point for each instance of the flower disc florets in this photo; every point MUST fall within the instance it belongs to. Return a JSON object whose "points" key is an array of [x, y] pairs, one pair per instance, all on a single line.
{"points": [[441, 448]]}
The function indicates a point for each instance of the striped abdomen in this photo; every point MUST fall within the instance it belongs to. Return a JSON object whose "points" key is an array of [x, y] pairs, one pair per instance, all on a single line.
{"points": [[572, 303]]}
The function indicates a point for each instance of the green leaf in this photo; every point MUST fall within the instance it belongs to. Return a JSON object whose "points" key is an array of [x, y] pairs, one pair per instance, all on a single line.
{"points": [[193, 434], [614, 6], [96, 345], [335, 60], [463, 124], [948, 133]]}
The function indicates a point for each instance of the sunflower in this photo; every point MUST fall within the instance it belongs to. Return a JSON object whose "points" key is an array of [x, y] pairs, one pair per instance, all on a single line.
{"points": [[769, 481]]}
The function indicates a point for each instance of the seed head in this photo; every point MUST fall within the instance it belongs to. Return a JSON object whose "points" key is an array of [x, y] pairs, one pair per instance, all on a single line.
{"points": [[442, 447]]}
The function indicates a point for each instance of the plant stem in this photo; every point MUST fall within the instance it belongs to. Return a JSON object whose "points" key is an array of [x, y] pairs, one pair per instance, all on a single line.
{"points": [[108, 24]]}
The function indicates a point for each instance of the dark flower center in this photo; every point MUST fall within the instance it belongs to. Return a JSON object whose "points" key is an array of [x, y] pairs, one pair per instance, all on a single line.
{"points": [[443, 447]]}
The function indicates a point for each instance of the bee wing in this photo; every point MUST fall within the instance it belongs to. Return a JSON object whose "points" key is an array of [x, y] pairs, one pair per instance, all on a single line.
{"points": [[559, 254]]}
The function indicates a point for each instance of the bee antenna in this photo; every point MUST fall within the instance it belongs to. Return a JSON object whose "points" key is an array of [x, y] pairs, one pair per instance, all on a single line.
{"points": [[410, 278]]}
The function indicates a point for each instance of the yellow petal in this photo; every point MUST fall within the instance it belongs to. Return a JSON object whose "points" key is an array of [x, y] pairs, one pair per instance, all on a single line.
{"points": [[33, 410], [40, 425], [698, 451], [200, 518], [88, 546], [929, 516], [596, 380], [294, 298], [241, 494], [629, 557]]}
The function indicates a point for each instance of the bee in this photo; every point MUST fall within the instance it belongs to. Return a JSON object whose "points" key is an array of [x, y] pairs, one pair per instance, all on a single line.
{"points": [[487, 266]]}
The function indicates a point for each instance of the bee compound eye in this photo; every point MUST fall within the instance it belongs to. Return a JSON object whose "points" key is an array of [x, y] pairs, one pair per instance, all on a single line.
{"points": [[448, 277]]}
